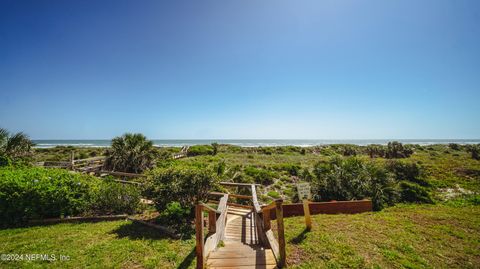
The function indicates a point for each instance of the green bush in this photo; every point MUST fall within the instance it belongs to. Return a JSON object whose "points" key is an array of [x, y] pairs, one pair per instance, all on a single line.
{"points": [[397, 150], [110, 197], [200, 150], [261, 176], [37, 193], [215, 148], [474, 151], [273, 194], [174, 214], [414, 193], [409, 171], [5, 161], [349, 150], [220, 168], [351, 178], [185, 185], [375, 151], [132, 153], [290, 168], [306, 175], [454, 146]]}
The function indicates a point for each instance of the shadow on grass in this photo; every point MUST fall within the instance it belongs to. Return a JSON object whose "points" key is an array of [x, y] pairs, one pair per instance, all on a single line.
{"points": [[299, 238], [52, 222], [188, 260], [133, 230]]}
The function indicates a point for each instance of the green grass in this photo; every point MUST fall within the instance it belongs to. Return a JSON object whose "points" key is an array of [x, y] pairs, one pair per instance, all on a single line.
{"points": [[115, 244], [414, 236]]}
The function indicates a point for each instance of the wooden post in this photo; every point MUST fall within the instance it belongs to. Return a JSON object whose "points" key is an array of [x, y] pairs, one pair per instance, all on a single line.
{"points": [[212, 221], [72, 160], [199, 236], [266, 220], [281, 232], [306, 212]]}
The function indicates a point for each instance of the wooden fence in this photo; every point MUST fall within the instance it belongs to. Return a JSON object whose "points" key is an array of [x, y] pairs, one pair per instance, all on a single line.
{"points": [[334, 207]]}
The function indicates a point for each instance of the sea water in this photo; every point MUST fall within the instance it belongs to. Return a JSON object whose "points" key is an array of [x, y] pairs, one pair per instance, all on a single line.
{"points": [[253, 142]]}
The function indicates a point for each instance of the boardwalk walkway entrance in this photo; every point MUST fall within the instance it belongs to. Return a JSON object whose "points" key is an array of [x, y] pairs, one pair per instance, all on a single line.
{"points": [[239, 235], [242, 247]]}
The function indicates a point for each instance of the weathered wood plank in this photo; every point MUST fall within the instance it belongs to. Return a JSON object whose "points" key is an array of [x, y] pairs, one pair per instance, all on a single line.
{"points": [[237, 184]]}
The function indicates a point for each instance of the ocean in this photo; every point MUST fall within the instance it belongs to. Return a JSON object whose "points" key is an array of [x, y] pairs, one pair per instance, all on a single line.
{"points": [[254, 142]]}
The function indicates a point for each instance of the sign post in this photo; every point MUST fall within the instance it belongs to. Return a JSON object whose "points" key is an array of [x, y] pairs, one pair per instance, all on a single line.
{"points": [[304, 194]]}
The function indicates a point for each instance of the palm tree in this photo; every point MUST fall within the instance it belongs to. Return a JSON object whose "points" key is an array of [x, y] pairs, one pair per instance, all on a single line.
{"points": [[15, 145], [131, 153]]}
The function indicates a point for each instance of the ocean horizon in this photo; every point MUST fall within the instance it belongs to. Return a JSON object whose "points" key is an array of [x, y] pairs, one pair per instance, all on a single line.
{"points": [[49, 143]]}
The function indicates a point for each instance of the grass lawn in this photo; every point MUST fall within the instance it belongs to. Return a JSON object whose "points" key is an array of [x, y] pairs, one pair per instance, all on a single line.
{"points": [[415, 236], [115, 244]]}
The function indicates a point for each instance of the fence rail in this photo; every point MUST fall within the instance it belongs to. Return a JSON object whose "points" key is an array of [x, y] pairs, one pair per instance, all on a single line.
{"points": [[216, 228]]}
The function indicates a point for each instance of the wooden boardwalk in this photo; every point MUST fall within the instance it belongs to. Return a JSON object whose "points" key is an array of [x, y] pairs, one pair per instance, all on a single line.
{"points": [[242, 247]]}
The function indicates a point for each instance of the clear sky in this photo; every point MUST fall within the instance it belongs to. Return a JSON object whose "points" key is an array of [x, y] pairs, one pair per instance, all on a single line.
{"points": [[240, 69]]}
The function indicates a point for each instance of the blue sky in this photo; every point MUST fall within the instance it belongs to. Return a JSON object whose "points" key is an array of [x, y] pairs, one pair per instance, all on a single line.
{"points": [[240, 69]]}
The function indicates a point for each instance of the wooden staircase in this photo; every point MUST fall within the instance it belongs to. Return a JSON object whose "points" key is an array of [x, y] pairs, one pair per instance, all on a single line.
{"points": [[239, 235], [241, 246]]}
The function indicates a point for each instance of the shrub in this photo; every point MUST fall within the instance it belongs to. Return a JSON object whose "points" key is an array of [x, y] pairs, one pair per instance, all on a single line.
{"points": [[414, 193], [409, 171], [220, 168], [290, 168], [215, 148], [174, 214], [5, 161], [306, 175], [131, 153], [261, 176], [200, 150], [273, 194], [15, 146], [454, 146], [185, 185], [82, 155], [397, 150], [37, 193], [352, 178], [474, 151], [375, 151], [110, 197], [349, 150]]}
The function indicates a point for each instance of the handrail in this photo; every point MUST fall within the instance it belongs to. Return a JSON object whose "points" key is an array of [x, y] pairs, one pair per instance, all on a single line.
{"points": [[262, 219], [216, 225], [216, 228], [272, 205], [256, 205], [232, 204], [231, 195], [92, 159], [238, 184], [210, 209]]}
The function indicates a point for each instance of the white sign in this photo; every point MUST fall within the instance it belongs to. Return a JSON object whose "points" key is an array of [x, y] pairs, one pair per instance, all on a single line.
{"points": [[303, 190]]}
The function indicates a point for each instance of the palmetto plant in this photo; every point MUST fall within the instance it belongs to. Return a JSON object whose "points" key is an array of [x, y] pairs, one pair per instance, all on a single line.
{"points": [[131, 153], [14, 145]]}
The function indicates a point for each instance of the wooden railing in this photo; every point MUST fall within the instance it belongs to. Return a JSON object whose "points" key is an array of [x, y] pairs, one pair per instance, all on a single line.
{"points": [[266, 235], [83, 165], [216, 228], [261, 218], [183, 153], [88, 165]]}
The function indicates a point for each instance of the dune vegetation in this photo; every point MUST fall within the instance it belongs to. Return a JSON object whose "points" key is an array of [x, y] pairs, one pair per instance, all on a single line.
{"points": [[425, 198]]}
